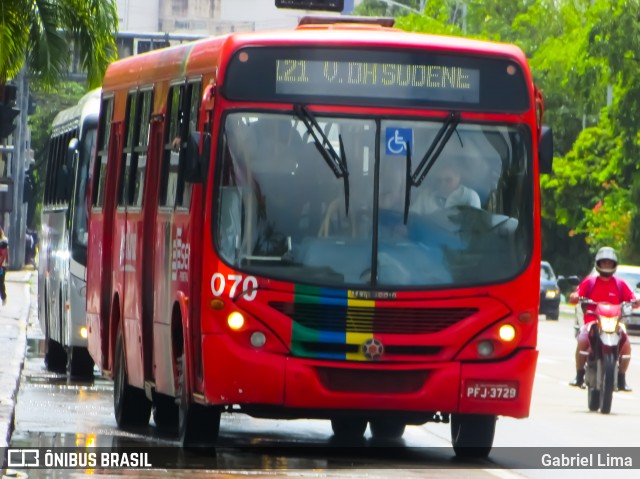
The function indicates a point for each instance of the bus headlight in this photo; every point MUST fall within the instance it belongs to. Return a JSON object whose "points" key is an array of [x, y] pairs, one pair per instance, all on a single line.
{"points": [[235, 321], [499, 340], [83, 332], [507, 332]]}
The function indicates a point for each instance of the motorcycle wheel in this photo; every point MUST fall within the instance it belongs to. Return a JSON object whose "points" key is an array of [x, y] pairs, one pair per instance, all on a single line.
{"points": [[608, 382], [593, 399]]}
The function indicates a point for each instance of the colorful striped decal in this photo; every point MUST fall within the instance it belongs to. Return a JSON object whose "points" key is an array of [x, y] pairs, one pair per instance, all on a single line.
{"points": [[302, 335]]}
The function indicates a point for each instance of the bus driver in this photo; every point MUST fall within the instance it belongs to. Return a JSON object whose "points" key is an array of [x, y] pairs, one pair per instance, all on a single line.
{"points": [[447, 190]]}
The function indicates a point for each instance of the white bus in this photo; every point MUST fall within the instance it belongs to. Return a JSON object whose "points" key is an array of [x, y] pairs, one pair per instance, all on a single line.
{"points": [[64, 236]]}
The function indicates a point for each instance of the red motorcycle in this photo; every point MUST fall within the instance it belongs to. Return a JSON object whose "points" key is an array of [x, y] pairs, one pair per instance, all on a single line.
{"points": [[605, 335]]}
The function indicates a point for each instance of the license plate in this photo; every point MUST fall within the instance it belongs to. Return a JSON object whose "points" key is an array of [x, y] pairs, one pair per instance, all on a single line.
{"points": [[506, 390]]}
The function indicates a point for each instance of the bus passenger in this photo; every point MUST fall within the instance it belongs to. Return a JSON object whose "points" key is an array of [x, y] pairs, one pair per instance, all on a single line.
{"points": [[447, 190]]}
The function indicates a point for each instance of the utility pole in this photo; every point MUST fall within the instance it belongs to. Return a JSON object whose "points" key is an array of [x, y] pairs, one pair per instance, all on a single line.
{"points": [[17, 217]]}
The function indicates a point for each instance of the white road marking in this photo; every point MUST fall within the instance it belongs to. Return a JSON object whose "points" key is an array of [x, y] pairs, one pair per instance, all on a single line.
{"points": [[504, 473]]}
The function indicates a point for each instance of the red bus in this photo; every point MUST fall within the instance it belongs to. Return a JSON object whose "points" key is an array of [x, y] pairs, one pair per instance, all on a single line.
{"points": [[337, 222]]}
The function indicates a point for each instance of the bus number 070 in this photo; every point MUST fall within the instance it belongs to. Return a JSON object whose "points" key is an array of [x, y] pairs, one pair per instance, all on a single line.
{"points": [[249, 285]]}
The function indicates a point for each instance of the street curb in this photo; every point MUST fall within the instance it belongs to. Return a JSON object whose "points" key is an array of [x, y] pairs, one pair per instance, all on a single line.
{"points": [[12, 369]]}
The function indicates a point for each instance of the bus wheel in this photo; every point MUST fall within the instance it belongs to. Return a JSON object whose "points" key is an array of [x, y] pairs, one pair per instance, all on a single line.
{"points": [[387, 429], [198, 425], [55, 357], [165, 412], [79, 363], [131, 406], [472, 434], [347, 428]]}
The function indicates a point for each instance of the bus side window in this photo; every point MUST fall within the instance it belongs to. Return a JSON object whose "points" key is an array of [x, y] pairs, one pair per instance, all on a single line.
{"points": [[128, 159], [100, 171], [139, 165], [189, 125], [182, 114], [172, 144]]}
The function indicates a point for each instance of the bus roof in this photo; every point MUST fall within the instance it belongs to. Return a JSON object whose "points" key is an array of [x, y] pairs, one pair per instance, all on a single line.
{"points": [[88, 105], [190, 59]]}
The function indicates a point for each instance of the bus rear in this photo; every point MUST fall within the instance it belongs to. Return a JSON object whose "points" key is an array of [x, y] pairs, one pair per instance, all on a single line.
{"points": [[372, 248]]}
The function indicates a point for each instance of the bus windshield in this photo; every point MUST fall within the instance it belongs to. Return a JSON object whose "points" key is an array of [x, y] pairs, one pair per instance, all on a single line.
{"points": [[282, 210]]}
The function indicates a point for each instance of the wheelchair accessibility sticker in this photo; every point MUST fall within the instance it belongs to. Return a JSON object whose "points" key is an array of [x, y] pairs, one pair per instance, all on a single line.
{"points": [[397, 140]]}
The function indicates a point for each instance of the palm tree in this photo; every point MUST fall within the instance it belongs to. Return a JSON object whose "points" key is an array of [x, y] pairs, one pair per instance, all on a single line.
{"points": [[40, 34]]}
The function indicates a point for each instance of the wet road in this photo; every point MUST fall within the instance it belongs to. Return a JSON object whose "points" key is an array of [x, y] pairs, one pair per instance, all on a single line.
{"points": [[52, 412]]}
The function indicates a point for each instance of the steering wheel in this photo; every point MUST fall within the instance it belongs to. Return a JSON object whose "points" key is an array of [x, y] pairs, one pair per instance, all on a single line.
{"points": [[334, 209]]}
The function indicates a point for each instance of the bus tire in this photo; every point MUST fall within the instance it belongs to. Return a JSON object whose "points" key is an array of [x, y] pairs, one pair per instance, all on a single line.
{"points": [[472, 434], [348, 428], [165, 412], [130, 404], [79, 363], [386, 429], [609, 361], [55, 357], [553, 316], [198, 425]]}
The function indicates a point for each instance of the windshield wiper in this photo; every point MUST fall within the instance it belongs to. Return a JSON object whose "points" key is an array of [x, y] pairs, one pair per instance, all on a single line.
{"points": [[407, 185], [337, 162], [428, 160], [436, 147]]}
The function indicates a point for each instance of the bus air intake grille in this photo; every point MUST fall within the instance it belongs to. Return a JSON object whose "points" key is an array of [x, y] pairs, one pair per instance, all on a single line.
{"points": [[357, 319], [363, 381]]}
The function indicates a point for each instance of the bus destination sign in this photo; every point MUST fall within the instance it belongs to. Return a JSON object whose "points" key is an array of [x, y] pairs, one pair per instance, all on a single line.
{"points": [[402, 78], [378, 80]]}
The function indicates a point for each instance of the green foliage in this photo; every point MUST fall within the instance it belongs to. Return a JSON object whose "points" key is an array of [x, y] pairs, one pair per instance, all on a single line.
{"points": [[608, 221], [380, 8], [40, 34], [48, 105]]}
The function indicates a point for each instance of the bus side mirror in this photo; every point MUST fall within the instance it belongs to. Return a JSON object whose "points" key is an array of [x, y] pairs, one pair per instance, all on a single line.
{"points": [[191, 166], [545, 150], [205, 155]]}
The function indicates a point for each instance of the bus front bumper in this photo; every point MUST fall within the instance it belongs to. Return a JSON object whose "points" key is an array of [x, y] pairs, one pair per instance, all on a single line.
{"points": [[236, 375]]}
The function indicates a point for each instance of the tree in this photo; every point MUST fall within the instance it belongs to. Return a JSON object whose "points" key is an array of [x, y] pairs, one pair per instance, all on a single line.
{"points": [[39, 34]]}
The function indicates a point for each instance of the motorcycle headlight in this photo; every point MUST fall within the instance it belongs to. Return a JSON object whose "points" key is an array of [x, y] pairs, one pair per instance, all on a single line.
{"points": [[551, 293], [608, 324]]}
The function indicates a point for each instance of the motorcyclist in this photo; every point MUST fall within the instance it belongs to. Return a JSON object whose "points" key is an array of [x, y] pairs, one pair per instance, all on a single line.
{"points": [[602, 288]]}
